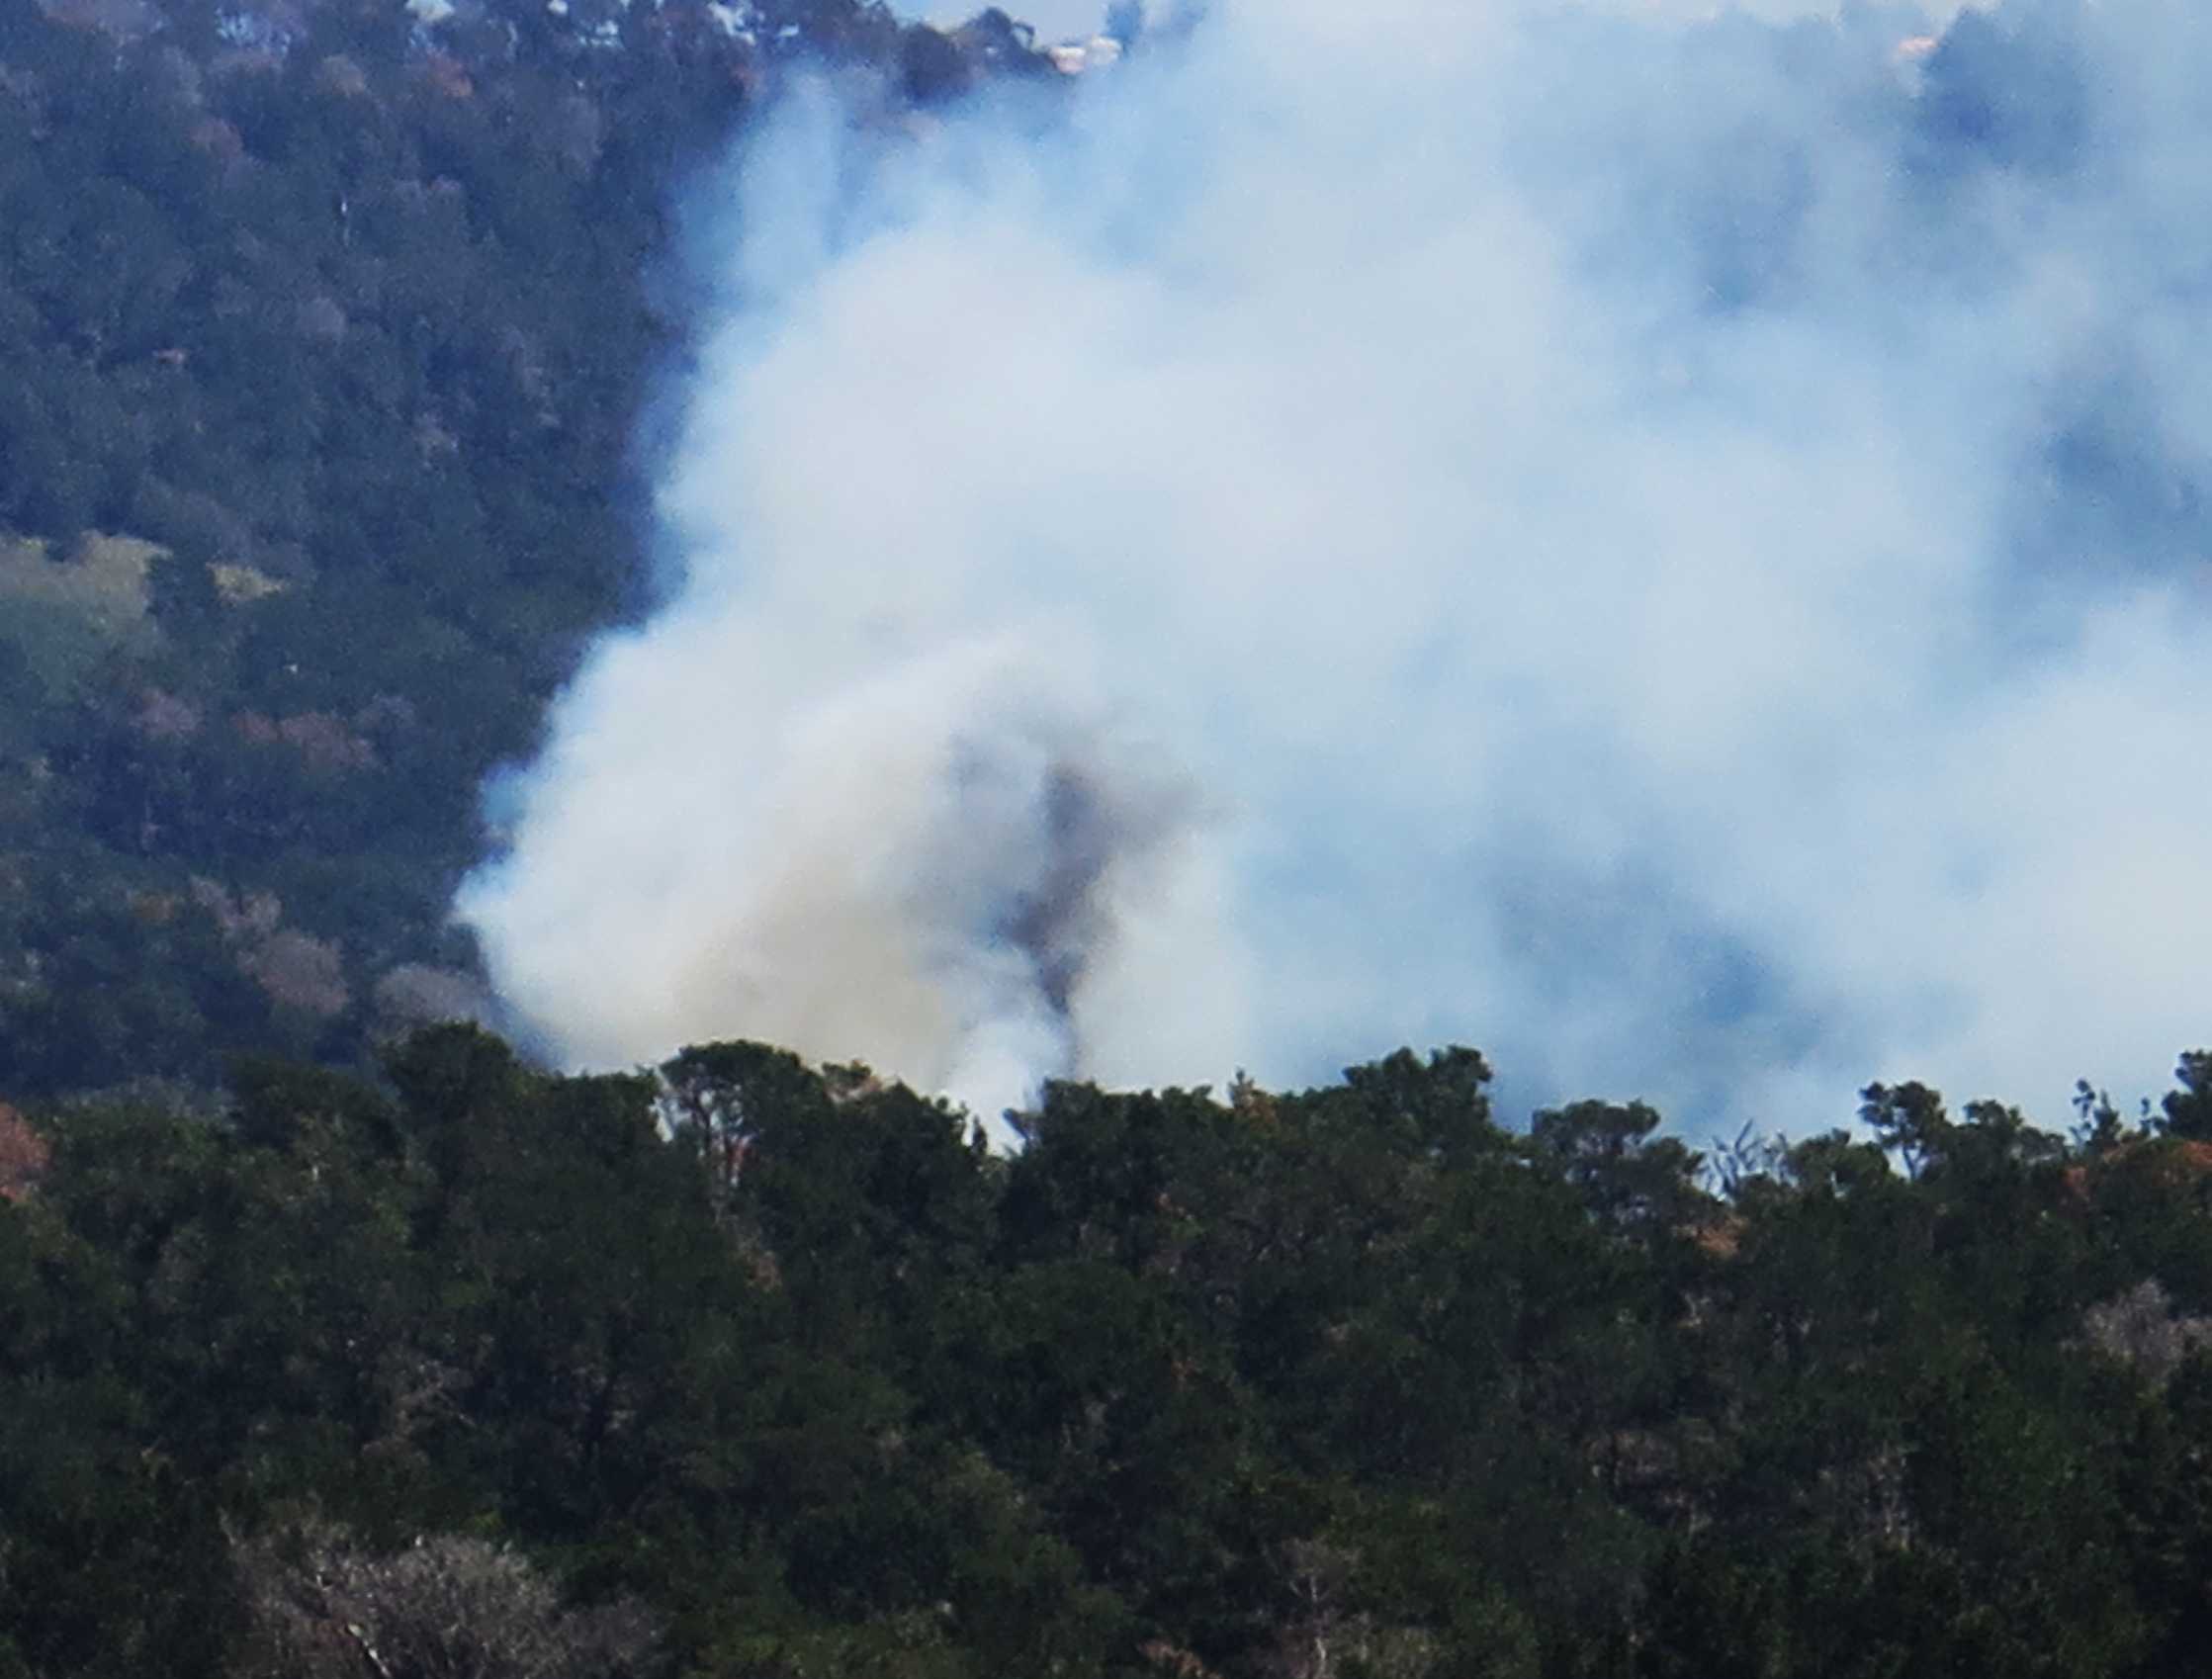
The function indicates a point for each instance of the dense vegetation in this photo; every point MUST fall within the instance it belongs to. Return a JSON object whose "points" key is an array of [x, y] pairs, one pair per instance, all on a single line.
{"points": [[325, 338], [754, 1369]]}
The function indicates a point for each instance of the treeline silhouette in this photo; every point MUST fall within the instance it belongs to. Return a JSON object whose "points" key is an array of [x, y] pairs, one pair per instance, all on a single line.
{"points": [[747, 1367]]}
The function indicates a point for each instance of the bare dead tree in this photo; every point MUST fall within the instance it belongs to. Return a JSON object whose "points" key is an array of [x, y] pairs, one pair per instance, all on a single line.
{"points": [[445, 1608]]}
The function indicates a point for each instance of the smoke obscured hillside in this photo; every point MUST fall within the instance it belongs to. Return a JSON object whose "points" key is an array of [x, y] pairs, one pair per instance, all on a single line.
{"points": [[1673, 548]]}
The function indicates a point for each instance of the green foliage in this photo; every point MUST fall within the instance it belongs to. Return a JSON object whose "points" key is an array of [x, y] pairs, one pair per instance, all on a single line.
{"points": [[2189, 1111], [355, 325], [307, 1337], [1345, 1382]]}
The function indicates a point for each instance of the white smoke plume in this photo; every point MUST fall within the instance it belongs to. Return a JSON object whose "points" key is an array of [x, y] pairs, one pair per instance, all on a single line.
{"points": [[1673, 551]]}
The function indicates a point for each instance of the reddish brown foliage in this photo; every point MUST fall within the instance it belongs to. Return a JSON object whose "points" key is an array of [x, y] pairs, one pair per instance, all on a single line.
{"points": [[2171, 1161], [446, 75], [324, 740], [1721, 1237], [24, 1155], [163, 716]]}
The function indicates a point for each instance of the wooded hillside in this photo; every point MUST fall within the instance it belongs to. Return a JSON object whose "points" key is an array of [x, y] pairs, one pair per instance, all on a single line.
{"points": [[326, 337]]}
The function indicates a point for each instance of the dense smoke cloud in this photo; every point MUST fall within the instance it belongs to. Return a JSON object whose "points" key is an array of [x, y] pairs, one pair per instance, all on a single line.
{"points": [[1673, 551]]}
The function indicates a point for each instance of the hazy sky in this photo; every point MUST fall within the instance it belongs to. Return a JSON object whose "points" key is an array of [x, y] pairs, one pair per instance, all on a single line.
{"points": [[1674, 555]]}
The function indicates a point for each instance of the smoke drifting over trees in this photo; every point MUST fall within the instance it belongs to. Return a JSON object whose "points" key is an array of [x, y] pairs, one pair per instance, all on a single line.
{"points": [[1671, 549]]}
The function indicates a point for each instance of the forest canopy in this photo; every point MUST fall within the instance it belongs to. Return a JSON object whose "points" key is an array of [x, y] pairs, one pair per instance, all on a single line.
{"points": [[747, 1367]]}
